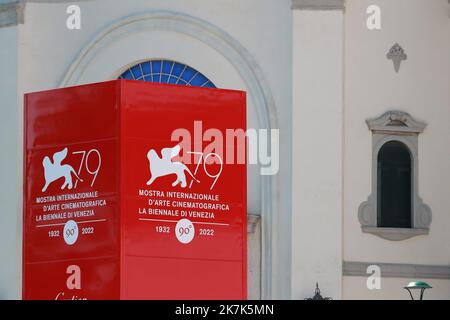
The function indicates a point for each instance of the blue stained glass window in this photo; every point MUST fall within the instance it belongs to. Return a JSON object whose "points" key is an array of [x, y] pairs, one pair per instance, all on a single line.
{"points": [[167, 71]]}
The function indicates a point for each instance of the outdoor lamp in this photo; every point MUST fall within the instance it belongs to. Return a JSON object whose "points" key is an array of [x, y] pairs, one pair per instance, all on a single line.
{"points": [[417, 285]]}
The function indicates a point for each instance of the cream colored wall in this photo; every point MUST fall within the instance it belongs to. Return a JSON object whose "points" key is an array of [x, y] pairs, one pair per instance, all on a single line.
{"points": [[317, 153], [421, 88]]}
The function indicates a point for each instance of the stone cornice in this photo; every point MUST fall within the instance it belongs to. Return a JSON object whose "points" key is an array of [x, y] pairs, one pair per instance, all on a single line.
{"points": [[323, 5], [11, 13], [396, 121], [55, 1], [252, 222], [397, 270]]}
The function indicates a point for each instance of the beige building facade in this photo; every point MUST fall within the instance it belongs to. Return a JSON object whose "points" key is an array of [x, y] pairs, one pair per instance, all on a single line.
{"points": [[339, 79]]}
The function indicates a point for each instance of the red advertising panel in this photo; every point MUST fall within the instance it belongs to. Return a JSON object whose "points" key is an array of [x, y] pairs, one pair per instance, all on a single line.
{"points": [[71, 193], [185, 206], [135, 191]]}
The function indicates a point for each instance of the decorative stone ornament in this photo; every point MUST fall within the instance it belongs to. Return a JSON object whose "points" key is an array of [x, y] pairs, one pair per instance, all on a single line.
{"points": [[397, 55]]}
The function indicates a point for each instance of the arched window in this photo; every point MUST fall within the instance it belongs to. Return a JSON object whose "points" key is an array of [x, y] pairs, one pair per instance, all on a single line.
{"points": [[394, 210], [394, 186], [167, 71]]}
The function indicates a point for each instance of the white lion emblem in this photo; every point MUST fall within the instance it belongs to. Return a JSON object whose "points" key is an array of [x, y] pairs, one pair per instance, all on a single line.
{"points": [[54, 171], [164, 166]]}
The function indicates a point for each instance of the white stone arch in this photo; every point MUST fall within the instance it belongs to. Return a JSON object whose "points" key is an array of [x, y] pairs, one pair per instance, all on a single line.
{"points": [[239, 58]]}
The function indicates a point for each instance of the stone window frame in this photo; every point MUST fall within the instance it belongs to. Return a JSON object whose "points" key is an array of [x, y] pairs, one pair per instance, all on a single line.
{"points": [[395, 126]]}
